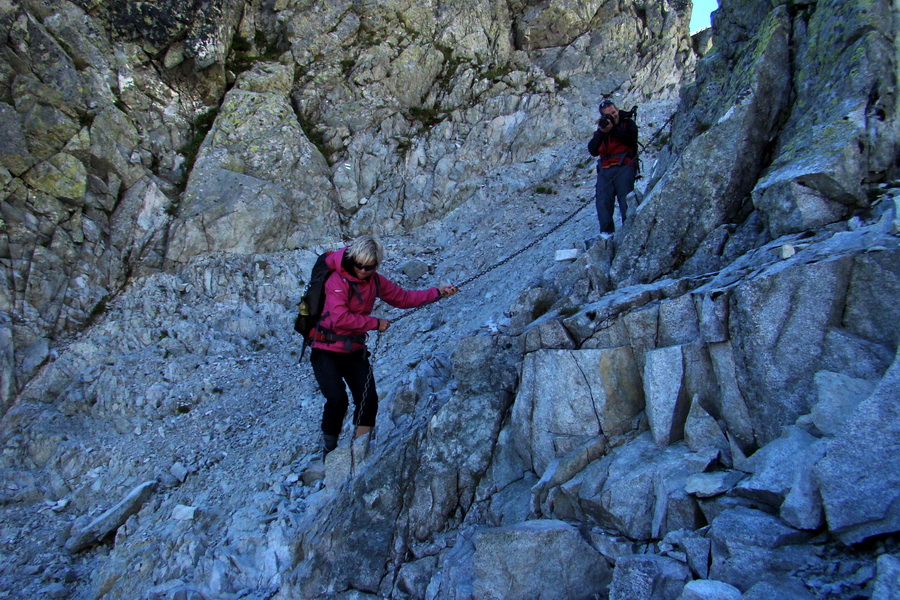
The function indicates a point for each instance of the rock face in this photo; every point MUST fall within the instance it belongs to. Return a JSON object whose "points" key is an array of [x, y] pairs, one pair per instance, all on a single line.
{"points": [[258, 184], [699, 407], [566, 398], [865, 510], [139, 135], [719, 166], [542, 556]]}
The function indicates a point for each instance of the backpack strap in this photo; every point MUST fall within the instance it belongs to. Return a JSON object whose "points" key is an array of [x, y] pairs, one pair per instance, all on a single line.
{"points": [[354, 290]]}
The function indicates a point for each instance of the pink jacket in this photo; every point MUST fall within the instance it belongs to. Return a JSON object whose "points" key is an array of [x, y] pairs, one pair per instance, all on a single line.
{"points": [[349, 302]]}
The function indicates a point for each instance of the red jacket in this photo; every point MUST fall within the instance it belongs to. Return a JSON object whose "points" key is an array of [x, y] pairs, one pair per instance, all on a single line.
{"points": [[618, 146], [349, 302]]}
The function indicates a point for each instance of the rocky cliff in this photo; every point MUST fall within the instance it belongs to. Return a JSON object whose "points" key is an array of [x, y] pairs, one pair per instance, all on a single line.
{"points": [[702, 407], [138, 135]]}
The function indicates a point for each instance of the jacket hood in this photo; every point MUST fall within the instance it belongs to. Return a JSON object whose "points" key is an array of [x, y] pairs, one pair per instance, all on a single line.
{"points": [[335, 261]]}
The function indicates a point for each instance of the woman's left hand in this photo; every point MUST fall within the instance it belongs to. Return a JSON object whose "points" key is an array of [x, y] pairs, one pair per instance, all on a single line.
{"points": [[447, 290]]}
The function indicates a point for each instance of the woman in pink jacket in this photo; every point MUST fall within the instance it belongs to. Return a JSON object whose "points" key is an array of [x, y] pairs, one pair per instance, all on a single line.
{"points": [[339, 352]]}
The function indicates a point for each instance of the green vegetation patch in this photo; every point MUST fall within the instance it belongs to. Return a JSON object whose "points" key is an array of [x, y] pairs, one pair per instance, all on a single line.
{"points": [[497, 72], [428, 117], [199, 131], [315, 135]]}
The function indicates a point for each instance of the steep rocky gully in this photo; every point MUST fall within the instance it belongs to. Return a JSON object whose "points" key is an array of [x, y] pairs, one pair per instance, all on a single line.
{"points": [[703, 407]]}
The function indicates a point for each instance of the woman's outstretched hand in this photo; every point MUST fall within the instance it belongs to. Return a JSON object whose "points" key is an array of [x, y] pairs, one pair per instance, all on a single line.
{"points": [[447, 290], [383, 325]]}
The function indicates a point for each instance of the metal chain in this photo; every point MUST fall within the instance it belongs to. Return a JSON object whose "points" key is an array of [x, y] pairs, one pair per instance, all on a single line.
{"points": [[525, 248], [482, 273], [362, 404], [499, 264], [659, 131], [369, 380], [533, 243]]}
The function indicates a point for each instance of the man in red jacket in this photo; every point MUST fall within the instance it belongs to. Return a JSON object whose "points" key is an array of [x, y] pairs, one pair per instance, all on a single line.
{"points": [[615, 143], [339, 352]]}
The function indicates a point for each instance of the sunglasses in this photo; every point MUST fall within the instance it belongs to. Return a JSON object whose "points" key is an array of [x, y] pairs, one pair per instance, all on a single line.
{"points": [[365, 267]]}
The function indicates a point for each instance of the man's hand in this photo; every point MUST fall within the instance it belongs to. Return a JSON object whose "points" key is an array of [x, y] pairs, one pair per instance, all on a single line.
{"points": [[383, 325], [447, 290]]}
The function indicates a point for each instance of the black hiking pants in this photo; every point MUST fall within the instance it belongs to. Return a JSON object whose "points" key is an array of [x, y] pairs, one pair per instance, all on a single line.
{"points": [[332, 370]]}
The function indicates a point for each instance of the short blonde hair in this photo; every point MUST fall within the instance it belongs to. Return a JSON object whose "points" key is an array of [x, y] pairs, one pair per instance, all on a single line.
{"points": [[365, 250]]}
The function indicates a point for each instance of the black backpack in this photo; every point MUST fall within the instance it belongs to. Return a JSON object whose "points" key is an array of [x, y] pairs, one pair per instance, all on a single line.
{"points": [[309, 311]]}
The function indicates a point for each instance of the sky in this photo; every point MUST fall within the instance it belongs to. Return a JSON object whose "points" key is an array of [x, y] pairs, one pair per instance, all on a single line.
{"points": [[700, 16]]}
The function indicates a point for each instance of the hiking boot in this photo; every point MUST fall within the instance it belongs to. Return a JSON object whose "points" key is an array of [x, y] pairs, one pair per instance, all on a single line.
{"points": [[329, 443]]}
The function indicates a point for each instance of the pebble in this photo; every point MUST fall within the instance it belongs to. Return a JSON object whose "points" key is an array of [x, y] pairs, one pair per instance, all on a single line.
{"points": [[184, 513], [179, 471], [56, 590]]}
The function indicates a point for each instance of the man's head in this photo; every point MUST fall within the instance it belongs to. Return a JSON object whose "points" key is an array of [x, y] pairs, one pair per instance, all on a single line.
{"points": [[609, 109]]}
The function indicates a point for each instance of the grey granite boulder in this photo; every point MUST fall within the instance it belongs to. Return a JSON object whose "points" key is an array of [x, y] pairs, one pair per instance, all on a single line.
{"points": [[860, 487], [713, 483], [112, 519], [454, 454], [718, 167], [692, 546], [537, 559], [730, 401], [829, 141], [562, 469], [775, 467], [14, 154], [648, 577], [413, 577], [777, 326], [482, 364], [638, 490], [414, 268], [529, 306], [548, 333], [258, 183], [802, 507], [667, 398], [873, 316], [611, 546], [838, 396], [453, 579], [766, 590], [569, 396], [702, 432], [7, 364], [855, 356], [708, 589], [750, 546], [887, 578]]}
